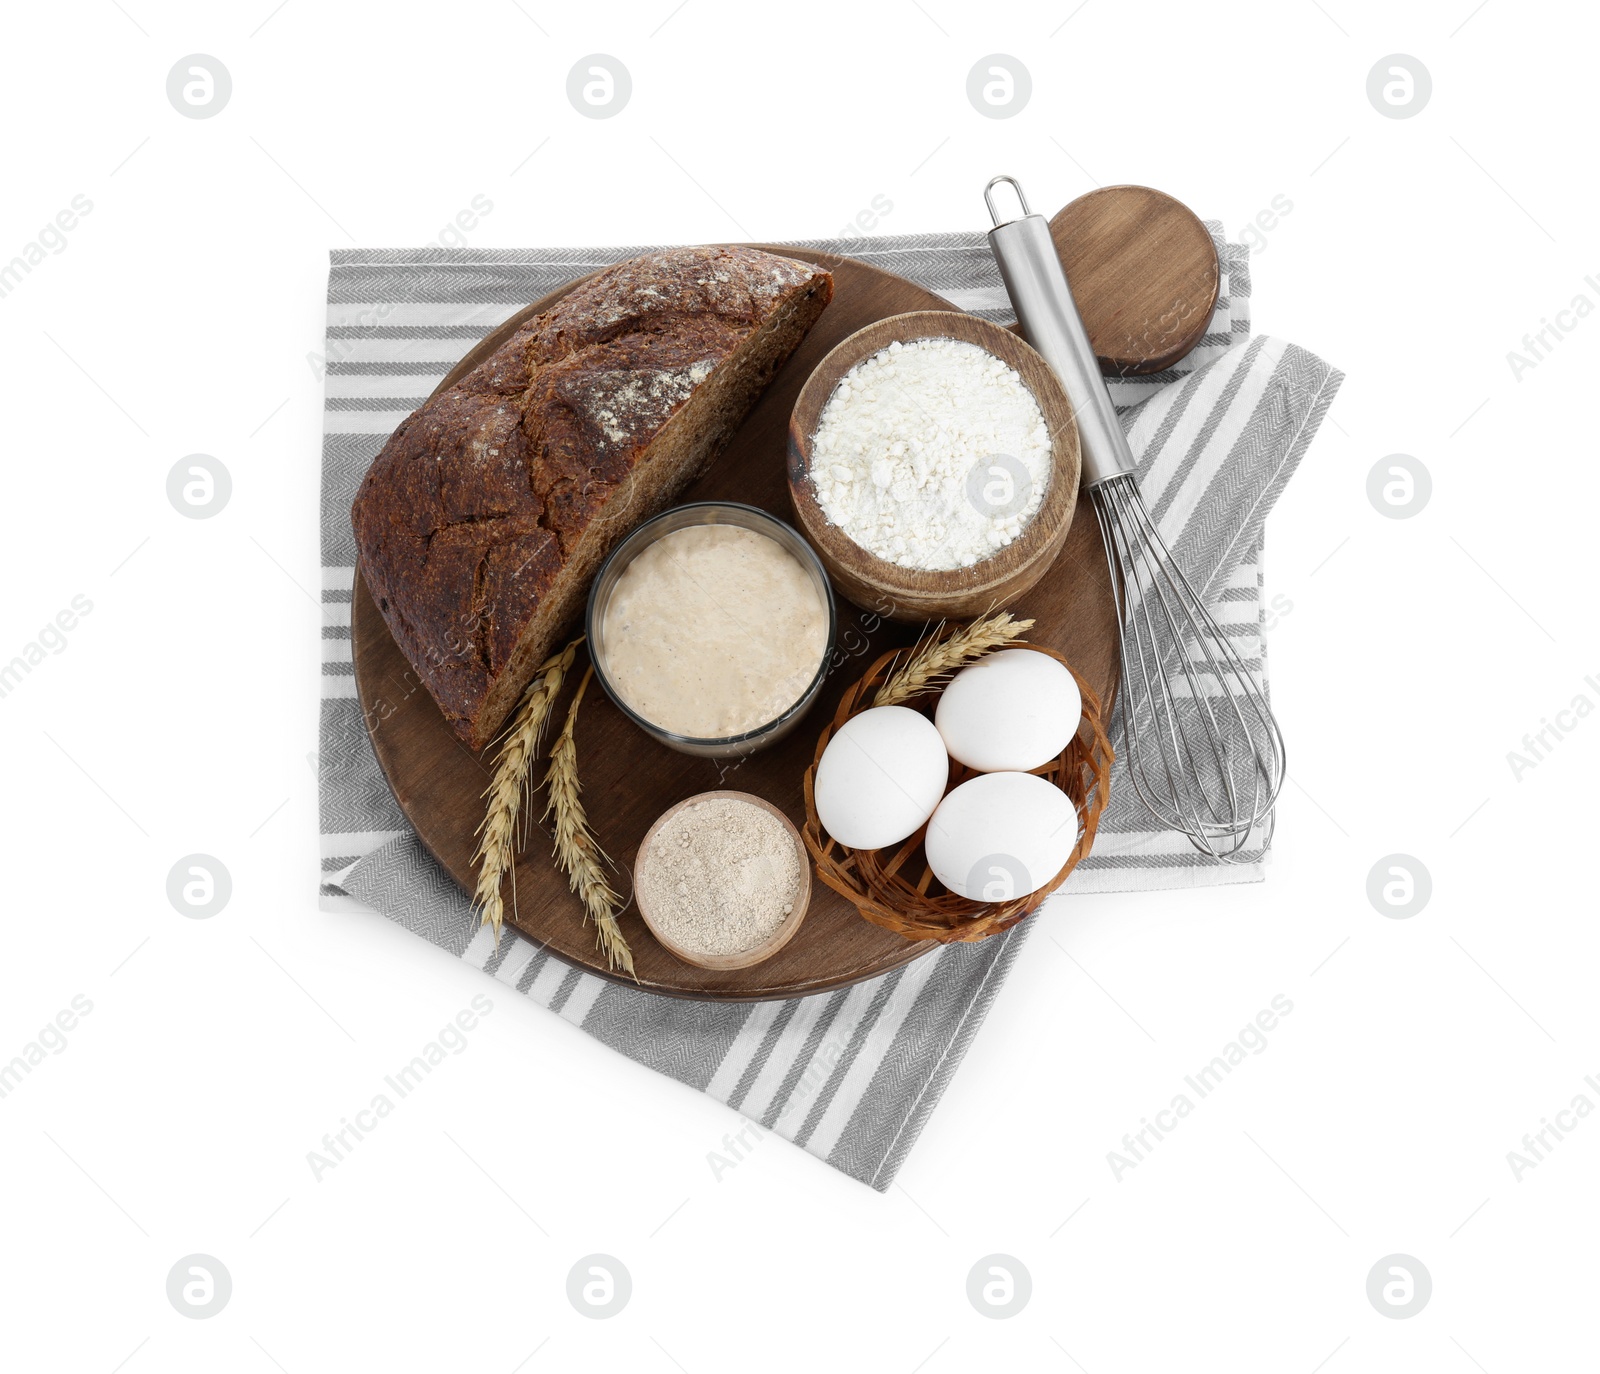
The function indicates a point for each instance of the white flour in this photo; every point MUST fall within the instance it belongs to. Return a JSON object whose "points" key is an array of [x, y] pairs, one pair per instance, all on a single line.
{"points": [[931, 454]]}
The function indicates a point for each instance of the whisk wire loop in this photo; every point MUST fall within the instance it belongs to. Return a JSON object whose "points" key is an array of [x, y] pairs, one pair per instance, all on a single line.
{"points": [[1204, 752]]}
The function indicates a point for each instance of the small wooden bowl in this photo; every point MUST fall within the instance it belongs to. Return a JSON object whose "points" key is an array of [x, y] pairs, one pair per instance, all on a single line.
{"points": [[779, 937], [894, 887], [899, 593]]}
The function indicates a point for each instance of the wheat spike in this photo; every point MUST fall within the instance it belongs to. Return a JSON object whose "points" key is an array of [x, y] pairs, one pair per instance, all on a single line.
{"points": [[577, 851], [507, 790], [933, 659]]}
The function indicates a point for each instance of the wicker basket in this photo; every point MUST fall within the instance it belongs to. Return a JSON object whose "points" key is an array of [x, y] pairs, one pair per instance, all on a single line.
{"points": [[895, 888]]}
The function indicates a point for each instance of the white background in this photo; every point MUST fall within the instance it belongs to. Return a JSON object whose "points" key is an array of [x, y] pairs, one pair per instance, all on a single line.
{"points": [[180, 717]]}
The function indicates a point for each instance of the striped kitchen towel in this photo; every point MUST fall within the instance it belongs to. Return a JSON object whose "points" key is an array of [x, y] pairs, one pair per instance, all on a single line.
{"points": [[849, 1075]]}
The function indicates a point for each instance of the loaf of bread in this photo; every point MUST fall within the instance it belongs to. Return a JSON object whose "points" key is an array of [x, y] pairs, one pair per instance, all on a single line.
{"points": [[485, 516]]}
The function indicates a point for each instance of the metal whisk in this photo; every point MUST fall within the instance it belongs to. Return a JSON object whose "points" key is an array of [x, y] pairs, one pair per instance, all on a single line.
{"points": [[1203, 751]]}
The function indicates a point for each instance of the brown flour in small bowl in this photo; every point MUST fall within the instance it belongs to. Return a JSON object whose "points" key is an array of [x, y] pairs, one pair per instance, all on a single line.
{"points": [[720, 877]]}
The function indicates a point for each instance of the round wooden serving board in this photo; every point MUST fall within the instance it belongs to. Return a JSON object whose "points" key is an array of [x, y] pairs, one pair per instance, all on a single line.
{"points": [[629, 780]]}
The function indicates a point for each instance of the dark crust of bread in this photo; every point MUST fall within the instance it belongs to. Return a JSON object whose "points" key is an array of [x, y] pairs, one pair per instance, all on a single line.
{"points": [[485, 515]]}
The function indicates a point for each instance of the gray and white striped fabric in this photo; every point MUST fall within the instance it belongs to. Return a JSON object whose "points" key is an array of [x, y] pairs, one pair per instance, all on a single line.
{"points": [[851, 1075]]}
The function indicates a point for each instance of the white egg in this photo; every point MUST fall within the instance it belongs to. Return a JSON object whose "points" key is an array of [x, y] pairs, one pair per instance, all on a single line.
{"points": [[1001, 835], [880, 777], [1009, 712]]}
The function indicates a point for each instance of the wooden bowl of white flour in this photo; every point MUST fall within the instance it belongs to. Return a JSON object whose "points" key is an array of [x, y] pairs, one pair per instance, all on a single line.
{"points": [[933, 466]]}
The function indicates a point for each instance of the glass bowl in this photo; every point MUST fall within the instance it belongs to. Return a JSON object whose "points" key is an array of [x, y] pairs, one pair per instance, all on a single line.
{"points": [[683, 517]]}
